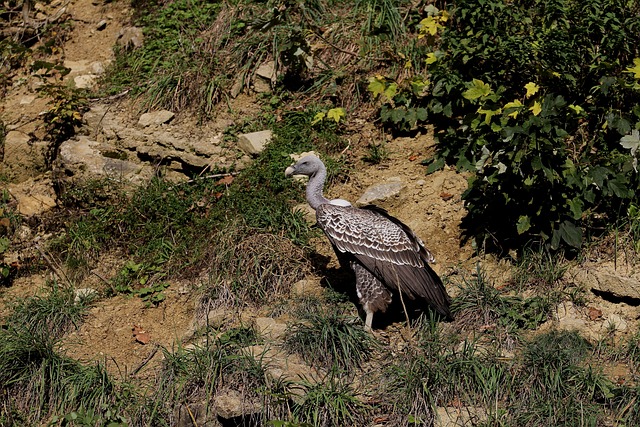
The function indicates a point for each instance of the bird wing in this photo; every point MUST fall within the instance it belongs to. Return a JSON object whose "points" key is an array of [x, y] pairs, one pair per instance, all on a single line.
{"points": [[387, 248]]}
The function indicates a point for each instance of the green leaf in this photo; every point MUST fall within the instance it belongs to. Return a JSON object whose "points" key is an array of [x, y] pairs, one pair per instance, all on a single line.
{"points": [[336, 114], [532, 89], [4, 244], [576, 205], [523, 224], [437, 163], [571, 234], [391, 90], [477, 89], [635, 70], [318, 117], [377, 85]]}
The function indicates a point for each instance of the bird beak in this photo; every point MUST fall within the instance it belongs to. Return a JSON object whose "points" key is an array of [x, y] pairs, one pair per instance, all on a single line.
{"points": [[289, 171]]}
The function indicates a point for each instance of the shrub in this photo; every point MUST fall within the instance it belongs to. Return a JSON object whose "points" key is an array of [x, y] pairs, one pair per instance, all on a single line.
{"points": [[534, 97]]}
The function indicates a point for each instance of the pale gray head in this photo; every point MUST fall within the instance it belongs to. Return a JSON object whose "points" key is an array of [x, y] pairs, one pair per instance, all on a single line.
{"points": [[313, 167], [308, 165]]}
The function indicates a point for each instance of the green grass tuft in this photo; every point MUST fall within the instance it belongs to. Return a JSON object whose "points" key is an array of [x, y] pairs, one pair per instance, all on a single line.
{"points": [[333, 340]]}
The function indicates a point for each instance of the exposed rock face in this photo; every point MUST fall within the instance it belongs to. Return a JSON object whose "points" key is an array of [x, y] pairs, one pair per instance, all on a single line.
{"points": [[83, 158], [22, 157], [609, 280]]}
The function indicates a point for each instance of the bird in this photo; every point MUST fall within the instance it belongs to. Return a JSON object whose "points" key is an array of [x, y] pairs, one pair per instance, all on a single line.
{"points": [[386, 256]]}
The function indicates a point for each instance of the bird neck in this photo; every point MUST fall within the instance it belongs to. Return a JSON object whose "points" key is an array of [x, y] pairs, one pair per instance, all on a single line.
{"points": [[314, 188]]}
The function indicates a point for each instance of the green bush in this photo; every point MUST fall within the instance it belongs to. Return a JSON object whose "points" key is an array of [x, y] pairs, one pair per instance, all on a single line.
{"points": [[535, 98]]}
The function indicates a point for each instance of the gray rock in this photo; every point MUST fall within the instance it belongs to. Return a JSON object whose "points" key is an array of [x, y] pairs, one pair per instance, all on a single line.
{"points": [[254, 143], [85, 81], [131, 37], [609, 281], [267, 71], [155, 118], [232, 404], [381, 192], [84, 294], [82, 157]]}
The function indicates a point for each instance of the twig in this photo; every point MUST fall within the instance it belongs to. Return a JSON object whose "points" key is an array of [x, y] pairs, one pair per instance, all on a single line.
{"points": [[53, 265], [217, 175], [101, 278], [348, 52], [193, 419], [145, 361]]}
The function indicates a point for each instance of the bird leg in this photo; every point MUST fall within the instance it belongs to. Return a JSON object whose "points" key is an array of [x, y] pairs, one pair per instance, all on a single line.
{"points": [[368, 320]]}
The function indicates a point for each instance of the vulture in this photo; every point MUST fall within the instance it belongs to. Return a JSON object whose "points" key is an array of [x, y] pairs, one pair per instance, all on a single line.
{"points": [[384, 253]]}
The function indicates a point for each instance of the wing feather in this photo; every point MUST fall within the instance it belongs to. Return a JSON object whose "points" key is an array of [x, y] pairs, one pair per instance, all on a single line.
{"points": [[386, 247]]}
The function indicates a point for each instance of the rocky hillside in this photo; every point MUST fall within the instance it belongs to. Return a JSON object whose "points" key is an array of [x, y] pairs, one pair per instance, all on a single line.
{"points": [[136, 338]]}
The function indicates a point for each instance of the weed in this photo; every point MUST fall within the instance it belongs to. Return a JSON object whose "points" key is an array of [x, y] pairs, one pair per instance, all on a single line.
{"points": [[62, 117], [52, 314], [333, 340], [330, 403], [197, 374], [37, 381], [377, 153], [483, 306]]}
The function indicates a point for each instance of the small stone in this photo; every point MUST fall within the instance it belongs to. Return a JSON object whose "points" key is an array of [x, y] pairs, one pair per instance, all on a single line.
{"points": [[254, 143], [86, 81], [270, 328], [155, 118], [101, 25], [84, 294], [616, 322], [131, 37], [380, 192], [28, 99]]}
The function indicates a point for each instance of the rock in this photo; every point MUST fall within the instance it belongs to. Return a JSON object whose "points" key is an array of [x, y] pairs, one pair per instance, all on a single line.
{"points": [[85, 81], [270, 328], [97, 67], [381, 192], [101, 25], [33, 197], [307, 211], [23, 158], [131, 37], [155, 118], [82, 157], [267, 71], [569, 318], [84, 294], [616, 323], [608, 280], [254, 143], [232, 404], [27, 99], [306, 287], [76, 67]]}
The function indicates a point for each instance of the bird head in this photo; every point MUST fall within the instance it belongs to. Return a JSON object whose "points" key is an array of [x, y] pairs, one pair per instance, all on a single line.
{"points": [[308, 165]]}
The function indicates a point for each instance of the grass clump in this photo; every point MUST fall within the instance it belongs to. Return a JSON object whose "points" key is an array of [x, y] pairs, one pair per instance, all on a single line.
{"points": [[37, 381], [330, 339], [481, 306], [330, 403], [193, 377]]}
